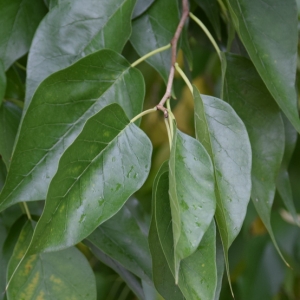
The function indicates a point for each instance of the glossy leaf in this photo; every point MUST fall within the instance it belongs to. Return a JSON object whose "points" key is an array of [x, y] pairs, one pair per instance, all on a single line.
{"points": [[211, 9], [247, 94], [262, 27], [225, 138], [154, 29], [2, 81], [197, 275], [10, 116], [140, 7], [122, 239], [162, 276], [60, 275], [283, 180], [97, 25], [106, 164], [57, 113], [131, 280], [192, 196], [16, 30]]}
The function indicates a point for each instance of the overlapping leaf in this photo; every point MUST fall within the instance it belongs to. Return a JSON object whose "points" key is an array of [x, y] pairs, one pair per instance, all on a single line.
{"points": [[10, 116], [75, 29], [14, 87], [122, 239], [57, 113], [106, 164], [154, 29], [198, 274], [61, 275], [192, 197], [262, 27], [225, 138], [247, 94], [140, 7], [16, 30]]}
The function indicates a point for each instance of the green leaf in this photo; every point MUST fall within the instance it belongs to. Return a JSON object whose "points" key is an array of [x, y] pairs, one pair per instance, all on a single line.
{"points": [[247, 94], [225, 138], [283, 180], [57, 113], [3, 234], [263, 27], [131, 280], [61, 275], [2, 173], [162, 276], [10, 116], [2, 81], [192, 196], [106, 164], [140, 7], [220, 263], [211, 9], [16, 30], [97, 24], [198, 274], [122, 239], [154, 29], [14, 87]]}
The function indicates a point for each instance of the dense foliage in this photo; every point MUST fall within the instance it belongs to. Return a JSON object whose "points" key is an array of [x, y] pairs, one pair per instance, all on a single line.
{"points": [[148, 149]]}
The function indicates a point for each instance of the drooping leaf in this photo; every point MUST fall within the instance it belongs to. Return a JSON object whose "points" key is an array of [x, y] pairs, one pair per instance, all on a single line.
{"points": [[154, 29], [283, 180], [247, 94], [262, 27], [97, 24], [60, 275], [225, 138], [105, 165], [140, 7], [2, 81], [198, 274], [192, 196], [10, 116], [162, 276], [132, 281], [57, 113], [122, 239], [16, 30], [211, 9]]}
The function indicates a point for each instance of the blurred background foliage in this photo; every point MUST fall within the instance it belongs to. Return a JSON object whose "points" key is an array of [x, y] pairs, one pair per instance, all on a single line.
{"points": [[257, 272]]}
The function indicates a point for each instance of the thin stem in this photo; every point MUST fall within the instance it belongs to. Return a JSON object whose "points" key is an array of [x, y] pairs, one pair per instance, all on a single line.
{"points": [[161, 49], [207, 34], [188, 83], [169, 132], [148, 111], [174, 41], [20, 66], [27, 211]]}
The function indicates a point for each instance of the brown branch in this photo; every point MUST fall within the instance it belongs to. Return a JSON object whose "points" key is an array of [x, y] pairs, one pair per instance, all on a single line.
{"points": [[174, 42]]}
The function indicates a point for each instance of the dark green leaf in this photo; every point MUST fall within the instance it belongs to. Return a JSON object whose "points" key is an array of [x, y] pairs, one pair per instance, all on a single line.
{"points": [[283, 180], [192, 196], [16, 30], [61, 275], [220, 266], [75, 29], [2, 173], [105, 165], [131, 280], [140, 7], [247, 94], [122, 239], [211, 8], [198, 274], [14, 87], [57, 113], [2, 81], [224, 136], [263, 27], [10, 116], [162, 276], [154, 29], [3, 234]]}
